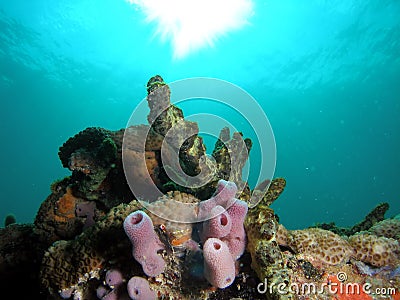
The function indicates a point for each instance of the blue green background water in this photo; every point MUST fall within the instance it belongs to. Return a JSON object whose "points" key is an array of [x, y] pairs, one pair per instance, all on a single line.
{"points": [[327, 74]]}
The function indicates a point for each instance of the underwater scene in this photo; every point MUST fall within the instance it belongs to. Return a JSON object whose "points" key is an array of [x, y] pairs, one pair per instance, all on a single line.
{"points": [[186, 149]]}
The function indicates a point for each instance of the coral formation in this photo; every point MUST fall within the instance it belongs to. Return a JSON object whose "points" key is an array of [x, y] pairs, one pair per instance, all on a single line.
{"points": [[375, 216], [56, 217], [377, 251], [330, 248], [294, 257], [81, 243], [274, 189], [267, 260], [389, 228], [65, 206], [229, 166], [227, 224], [71, 264], [321, 244], [82, 264], [100, 151], [167, 122], [177, 232], [91, 162]]}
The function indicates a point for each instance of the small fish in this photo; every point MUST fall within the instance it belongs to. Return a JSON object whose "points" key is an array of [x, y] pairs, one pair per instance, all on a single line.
{"points": [[162, 234]]}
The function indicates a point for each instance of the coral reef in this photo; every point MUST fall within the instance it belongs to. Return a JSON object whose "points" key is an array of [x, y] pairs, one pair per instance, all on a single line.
{"points": [[79, 155], [208, 242], [228, 166], [147, 246], [80, 265], [90, 162], [72, 267], [222, 233], [286, 260], [375, 216], [72, 264], [167, 122], [56, 218]]}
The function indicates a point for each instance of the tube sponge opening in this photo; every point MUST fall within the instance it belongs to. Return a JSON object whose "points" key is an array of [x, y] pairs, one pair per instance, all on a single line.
{"points": [[219, 226]]}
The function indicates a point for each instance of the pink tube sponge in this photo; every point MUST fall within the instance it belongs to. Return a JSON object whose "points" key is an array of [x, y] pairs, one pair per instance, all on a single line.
{"points": [[236, 239], [219, 266], [114, 278], [140, 230], [218, 226], [225, 192], [223, 196], [139, 289]]}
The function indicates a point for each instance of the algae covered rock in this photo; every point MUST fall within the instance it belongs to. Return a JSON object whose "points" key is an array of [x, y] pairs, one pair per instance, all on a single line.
{"points": [[267, 259]]}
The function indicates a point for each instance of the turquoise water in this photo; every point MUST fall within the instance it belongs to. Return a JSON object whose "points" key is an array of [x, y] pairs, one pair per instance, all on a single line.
{"points": [[326, 73]]}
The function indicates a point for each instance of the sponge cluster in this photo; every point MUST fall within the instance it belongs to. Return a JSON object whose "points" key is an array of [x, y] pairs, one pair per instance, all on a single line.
{"points": [[222, 233]]}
